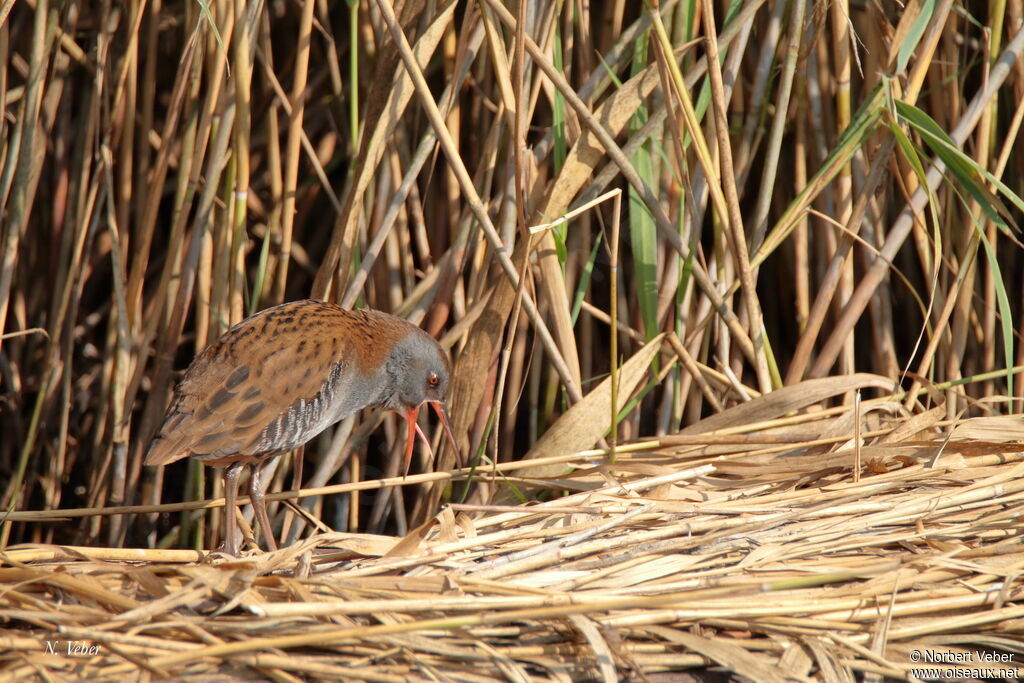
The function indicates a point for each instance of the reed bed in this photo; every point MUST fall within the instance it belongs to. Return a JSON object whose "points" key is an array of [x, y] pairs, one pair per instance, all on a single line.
{"points": [[840, 192], [763, 257], [752, 549]]}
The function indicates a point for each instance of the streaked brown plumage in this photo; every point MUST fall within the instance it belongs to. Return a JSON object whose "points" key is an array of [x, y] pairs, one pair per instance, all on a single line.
{"points": [[280, 377]]}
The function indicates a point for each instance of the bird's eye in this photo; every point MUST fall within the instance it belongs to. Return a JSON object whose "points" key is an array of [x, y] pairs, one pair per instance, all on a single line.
{"points": [[433, 380]]}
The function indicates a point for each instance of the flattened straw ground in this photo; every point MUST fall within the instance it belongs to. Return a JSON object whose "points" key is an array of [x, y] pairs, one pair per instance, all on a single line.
{"points": [[771, 563]]}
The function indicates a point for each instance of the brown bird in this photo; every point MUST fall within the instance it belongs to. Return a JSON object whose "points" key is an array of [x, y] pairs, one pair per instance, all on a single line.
{"points": [[280, 377]]}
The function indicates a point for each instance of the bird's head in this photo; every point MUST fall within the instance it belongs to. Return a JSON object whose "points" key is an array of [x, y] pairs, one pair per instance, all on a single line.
{"points": [[417, 371]]}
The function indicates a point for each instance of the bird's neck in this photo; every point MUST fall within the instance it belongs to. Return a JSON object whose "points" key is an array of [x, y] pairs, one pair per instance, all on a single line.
{"points": [[388, 397]]}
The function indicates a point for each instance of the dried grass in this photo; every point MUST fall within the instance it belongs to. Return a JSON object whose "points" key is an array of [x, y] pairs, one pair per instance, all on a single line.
{"points": [[753, 552]]}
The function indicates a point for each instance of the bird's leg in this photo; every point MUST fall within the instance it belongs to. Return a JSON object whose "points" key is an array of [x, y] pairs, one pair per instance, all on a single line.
{"points": [[259, 505], [230, 516]]}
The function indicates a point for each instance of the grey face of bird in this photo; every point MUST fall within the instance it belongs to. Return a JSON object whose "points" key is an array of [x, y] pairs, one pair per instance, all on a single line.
{"points": [[418, 373]]}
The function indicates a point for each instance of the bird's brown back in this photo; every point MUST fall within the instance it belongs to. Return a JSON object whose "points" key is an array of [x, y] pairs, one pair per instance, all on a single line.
{"points": [[260, 369]]}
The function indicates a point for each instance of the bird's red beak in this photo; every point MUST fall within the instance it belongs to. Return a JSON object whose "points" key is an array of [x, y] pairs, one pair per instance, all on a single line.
{"points": [[410, 415], [442, 414], [410, 439]]}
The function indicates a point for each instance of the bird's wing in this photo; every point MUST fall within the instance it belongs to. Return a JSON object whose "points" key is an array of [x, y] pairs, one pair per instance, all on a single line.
{"points": [[264, 374]]}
